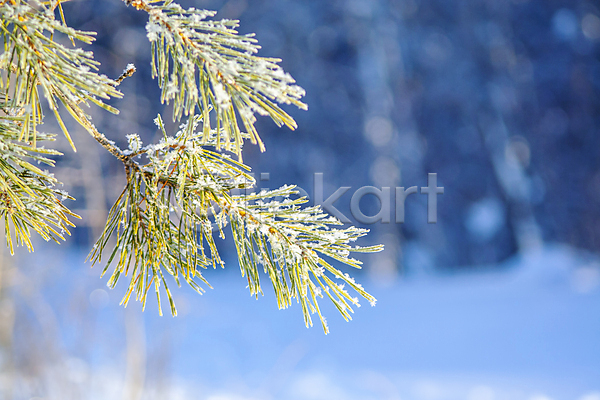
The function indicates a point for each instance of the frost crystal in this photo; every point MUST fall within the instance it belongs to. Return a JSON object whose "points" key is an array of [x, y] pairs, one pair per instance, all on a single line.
{"points": [[135, 143], [153, 30], [223, 99]]}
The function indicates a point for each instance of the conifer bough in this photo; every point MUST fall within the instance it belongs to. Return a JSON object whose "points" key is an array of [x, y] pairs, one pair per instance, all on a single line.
{"points": [[183, 190]]}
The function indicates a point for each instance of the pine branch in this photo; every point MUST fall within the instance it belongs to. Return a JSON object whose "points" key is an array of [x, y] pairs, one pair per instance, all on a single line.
{"points": [[32, 58], [162, 217], [179, 191], [289, 242], [28, 200], [209, 65], [173, 203]]}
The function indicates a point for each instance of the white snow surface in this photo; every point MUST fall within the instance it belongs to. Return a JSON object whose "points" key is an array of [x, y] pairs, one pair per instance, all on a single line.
{"points": [[528, 329]]}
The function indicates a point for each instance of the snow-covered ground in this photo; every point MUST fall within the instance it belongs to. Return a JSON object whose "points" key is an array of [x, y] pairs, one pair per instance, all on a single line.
{"points": [[527, 330]]}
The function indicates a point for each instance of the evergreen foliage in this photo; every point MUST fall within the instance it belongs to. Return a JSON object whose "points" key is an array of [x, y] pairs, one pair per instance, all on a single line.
{"points": [[184, 190]]}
